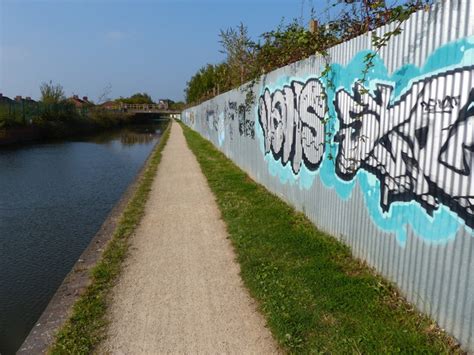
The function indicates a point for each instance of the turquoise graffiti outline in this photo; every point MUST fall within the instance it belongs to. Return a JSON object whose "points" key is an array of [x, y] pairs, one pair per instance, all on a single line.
{"points": [[444, 224]]}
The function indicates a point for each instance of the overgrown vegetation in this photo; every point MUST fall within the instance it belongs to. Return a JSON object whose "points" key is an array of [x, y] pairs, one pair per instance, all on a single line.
{"points": [[246, 60], [176, 106], [315, 296], [85, 327]]}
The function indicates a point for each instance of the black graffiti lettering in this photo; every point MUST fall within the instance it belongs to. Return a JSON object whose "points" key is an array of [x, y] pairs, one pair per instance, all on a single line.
{"points": [[445, 105], [246, 126], [292, 120], [212, 119], [241, 113], [457, 152], [420, 147]]}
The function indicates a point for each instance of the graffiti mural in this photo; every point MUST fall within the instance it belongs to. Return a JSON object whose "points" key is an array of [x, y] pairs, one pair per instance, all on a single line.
{"points": [[404, 138], [221, 122], [417, 146], [292, 120]]}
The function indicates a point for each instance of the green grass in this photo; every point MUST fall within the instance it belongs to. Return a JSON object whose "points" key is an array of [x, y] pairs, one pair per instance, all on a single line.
{"points": [[315, 296], [85, 328]]}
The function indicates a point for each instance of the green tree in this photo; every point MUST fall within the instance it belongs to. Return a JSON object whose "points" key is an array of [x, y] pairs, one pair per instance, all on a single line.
{"points": [[176, 106], [52, 93], [239, 49], [202, 85]]}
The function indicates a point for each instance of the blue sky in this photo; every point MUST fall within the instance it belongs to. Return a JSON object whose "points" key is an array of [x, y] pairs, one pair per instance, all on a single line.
{"points": [[151, 46]]}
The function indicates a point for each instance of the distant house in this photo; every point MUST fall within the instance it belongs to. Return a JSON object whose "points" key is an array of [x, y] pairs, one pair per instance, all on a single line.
{"points": [[80, 103], [110, 105], [18, 100], [5, 99], [29, 100], [164, 104]]}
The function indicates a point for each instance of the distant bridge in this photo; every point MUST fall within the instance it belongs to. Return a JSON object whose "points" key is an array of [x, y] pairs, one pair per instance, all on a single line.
{"points": [[145, 108]]}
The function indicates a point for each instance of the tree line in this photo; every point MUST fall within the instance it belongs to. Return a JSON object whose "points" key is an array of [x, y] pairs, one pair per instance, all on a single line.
{"points": [[54, 106]]}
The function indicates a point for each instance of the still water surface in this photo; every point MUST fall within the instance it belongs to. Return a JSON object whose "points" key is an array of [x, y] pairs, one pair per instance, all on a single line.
{"points": [[53, 199]]}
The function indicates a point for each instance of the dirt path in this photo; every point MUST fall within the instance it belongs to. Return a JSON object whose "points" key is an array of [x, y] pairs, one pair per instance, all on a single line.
{"points": [[180, 290]]}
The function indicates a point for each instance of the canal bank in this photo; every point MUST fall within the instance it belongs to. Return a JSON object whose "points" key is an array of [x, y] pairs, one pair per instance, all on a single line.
{"points": [[54, 197], [84, 327], [60, 307]]}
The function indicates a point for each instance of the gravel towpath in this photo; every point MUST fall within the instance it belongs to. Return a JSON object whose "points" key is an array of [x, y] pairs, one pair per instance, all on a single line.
{"points": [[180, 290]]}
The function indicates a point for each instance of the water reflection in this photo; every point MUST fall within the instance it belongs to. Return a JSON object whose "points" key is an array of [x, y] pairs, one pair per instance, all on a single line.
{"points": [[131, 137]]}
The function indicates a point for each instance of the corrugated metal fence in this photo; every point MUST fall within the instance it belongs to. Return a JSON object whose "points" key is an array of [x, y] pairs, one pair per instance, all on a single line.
{"points": [[391, 172]]}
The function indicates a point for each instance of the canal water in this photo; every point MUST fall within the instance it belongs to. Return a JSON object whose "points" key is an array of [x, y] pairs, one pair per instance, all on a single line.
{"points": [[53, 199]]}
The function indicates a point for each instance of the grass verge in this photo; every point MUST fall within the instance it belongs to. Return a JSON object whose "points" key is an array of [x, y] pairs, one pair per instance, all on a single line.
{"points": [[84, 329], [315, 296]]}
